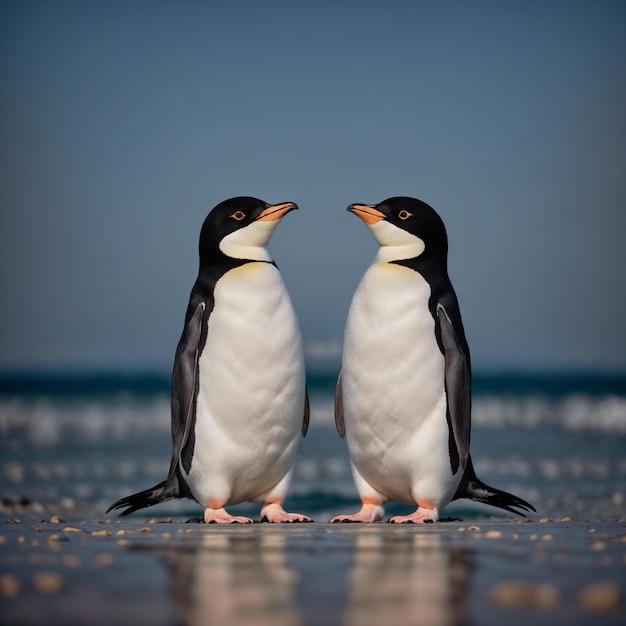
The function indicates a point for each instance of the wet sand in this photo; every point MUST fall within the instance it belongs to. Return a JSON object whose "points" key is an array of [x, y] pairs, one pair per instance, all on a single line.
{"points": [[480, 572]]}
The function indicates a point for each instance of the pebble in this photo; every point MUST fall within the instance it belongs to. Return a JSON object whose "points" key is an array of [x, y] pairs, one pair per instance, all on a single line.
{"points": [[145, 529], [3, 539], [546, 520], [493, 534], [601, 598], [48, 583], [10, 586], [597, 546], [71, 560], [166, 535], [473, 528], [57, 519], [517, 594], [100, 533], [71, 529], [105, 559], [566, 519]]}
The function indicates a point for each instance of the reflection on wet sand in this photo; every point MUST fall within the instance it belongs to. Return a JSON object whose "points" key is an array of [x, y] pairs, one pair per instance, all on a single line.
{"points": [[235, 580], [407, 579], [372, 576]]}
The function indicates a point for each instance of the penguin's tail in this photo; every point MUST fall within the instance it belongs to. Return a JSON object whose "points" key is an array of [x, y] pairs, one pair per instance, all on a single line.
{"points": [[473, 488], [167, 490]]}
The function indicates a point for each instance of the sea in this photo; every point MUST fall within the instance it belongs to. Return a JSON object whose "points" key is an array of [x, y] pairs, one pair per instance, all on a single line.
{"points": [[72, 443]]}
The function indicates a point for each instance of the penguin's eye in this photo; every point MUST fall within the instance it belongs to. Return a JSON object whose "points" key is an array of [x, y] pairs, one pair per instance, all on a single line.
{"points": [[404, 215], [238, 215]]}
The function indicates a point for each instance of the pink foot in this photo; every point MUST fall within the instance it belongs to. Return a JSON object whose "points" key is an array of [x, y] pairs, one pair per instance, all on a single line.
{"points": [[368, 513], [220, 516], [275, 513], [419, 517]]}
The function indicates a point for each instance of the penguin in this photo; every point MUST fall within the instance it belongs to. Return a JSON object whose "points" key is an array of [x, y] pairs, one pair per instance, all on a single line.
{"points": [[403, 398], [239, 401]]}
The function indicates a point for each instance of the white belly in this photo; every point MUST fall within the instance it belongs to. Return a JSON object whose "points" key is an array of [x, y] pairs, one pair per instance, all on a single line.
{"points": [[393, 387], [251, 395]]}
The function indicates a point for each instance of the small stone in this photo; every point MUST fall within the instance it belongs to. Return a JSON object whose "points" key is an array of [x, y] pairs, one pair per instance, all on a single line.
{"points": [[461, 530], [566, 519], [54, 538], [545, 520], [601, 598], [597, 546], [49, 583], [517, 594], [3, 539], [473, 528], [105, 559], [71, 529], [123, 532], [12, 520], [493, 534], [100, 533], [10, 586], [145, 529], [38, 529], [57, 519], [546, 537], [123, 543], [21, 539], [71, 560], [166, 535]]}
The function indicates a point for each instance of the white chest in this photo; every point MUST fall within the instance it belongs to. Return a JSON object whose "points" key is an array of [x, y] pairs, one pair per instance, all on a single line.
{"points": [[390, 343], [252, 359]]}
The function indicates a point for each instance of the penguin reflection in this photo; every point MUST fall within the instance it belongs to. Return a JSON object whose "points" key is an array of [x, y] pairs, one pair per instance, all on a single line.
{"points": [[234, 581], [408, 579]]}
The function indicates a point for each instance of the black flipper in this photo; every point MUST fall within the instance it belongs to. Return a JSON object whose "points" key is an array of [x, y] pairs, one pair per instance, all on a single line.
{"points": [[339, 422], [307, 413], [458, 385], [473, 488], [184, 383]]}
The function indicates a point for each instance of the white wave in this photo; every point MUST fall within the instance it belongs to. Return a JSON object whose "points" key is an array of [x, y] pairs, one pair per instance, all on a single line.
{"points": [[46, 422], [605, 414]]}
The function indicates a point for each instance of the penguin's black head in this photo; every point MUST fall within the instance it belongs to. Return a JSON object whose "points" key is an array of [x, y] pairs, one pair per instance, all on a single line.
{"points": [[241, 228], [404, 226]]}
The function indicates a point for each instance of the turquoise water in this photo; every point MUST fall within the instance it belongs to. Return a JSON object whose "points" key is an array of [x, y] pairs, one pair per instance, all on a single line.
{"points": [[72, 444]]}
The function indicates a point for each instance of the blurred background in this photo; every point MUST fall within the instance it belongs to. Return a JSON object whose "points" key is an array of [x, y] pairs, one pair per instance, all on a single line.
{"points": [[123, 124]]}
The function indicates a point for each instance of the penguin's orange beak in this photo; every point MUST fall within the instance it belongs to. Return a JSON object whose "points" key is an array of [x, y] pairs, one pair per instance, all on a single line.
{"points": [[367, 213], [276, 211]]}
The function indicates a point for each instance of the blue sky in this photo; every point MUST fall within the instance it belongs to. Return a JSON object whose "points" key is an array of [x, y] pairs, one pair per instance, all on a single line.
{"points": [[123, 124]]}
